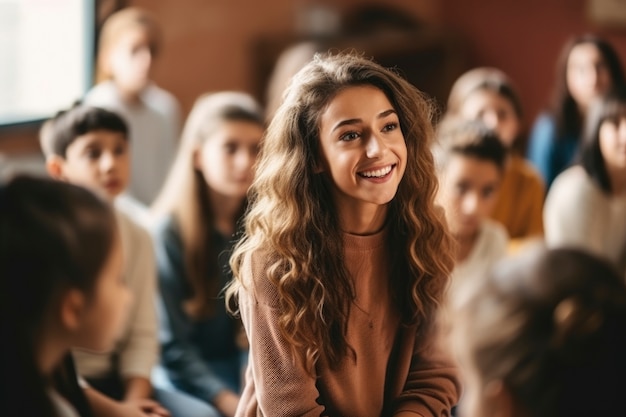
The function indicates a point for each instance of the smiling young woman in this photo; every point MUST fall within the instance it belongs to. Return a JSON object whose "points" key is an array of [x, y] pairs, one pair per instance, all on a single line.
{"points": [[343, 245]]}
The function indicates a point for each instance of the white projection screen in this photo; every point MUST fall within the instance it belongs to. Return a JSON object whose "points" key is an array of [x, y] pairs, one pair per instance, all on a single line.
{"points": [[46, 56]]}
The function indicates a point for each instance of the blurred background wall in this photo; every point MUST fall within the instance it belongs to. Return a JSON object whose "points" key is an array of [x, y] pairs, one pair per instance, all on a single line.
{"points": [[210, 44]]}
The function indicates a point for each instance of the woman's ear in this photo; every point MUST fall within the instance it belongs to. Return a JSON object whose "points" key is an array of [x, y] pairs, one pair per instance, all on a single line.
{"points": [[72, 309], [500, 399]]}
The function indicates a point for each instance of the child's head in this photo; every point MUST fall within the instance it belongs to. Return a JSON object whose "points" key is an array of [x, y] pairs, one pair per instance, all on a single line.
{"points": [[60, 272], [587, 67], [129, 41], [543, 336], [487, 94], [218, 149], [88, 146], [604, 142], [470, 161]]}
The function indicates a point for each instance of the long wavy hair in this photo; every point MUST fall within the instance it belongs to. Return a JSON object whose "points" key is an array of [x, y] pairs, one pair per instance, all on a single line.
{"points": [[291, 219], [569, 120], [185, 194]]}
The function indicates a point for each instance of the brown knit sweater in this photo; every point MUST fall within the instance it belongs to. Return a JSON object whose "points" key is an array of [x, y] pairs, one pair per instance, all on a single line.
{"points": [[394, 374]]}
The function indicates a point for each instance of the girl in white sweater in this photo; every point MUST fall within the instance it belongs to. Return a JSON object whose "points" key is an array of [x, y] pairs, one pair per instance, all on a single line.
{"points": [[586, 206]]}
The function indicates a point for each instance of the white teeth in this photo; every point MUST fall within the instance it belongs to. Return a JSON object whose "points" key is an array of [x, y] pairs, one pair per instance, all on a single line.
{"points": [[376, 173]]}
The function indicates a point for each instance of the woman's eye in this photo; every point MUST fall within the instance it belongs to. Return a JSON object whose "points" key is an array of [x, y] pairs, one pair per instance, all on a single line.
{"points": [[231, 148], [389, 127], [349, 136]]}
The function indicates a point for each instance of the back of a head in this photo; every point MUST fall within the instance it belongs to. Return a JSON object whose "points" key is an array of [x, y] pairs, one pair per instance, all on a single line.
{"points": [[549, 325], [467, 138], [53, 236], [58, 133]]}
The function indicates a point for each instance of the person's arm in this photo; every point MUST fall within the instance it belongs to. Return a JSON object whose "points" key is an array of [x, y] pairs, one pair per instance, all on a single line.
{"points": [[103, 406], [140, 352], [180, 357], [137, 388], [541, 148], [281, 385], [432, 387]]}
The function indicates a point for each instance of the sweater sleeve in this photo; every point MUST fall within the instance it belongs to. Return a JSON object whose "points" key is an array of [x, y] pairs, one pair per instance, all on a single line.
{"points": [[180, 357], [541, 148], [432, 387], [140, 351], [277, 385]]}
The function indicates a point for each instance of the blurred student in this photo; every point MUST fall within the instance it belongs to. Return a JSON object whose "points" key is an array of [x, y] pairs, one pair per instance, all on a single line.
{"points": [[543, 335], [199, 209], [587, 68], [88, 146], [488, 95], [61, 286], [130, 41], [586, 206], [470, 161]]}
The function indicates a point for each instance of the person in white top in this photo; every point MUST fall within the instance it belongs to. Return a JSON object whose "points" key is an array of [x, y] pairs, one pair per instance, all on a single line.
{"points": [[130, 40], [586, 206], [470, 162]]}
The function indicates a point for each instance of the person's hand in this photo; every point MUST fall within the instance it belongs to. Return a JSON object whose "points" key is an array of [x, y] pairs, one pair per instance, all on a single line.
{"points": [[226, 403], [143, 407]]}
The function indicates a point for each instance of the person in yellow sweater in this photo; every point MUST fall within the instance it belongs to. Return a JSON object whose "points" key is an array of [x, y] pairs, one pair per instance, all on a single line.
{"points": [[488, 94], [345, 256]]}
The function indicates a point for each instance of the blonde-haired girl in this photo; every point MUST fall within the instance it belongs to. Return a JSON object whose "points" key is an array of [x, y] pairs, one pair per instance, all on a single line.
{"points": [[200, 206], [344, 258], [130, 41]]}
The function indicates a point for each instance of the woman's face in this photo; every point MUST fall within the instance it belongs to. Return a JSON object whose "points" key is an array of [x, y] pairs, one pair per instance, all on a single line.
{"points": [[587, 74], [495, 111], [612, 138], [131, 60], [362, 148], [227, 157]]}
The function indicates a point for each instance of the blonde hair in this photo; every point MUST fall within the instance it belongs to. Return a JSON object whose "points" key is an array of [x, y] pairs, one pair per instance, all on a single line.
{"points": [[290, 219], [185, 193], [130, 18]]}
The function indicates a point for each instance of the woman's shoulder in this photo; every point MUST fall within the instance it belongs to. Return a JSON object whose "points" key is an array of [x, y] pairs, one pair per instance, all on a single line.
{"points": [[254, 275], [572, 187]]}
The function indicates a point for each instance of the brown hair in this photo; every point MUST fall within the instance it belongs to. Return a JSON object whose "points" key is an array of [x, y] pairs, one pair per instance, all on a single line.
{"points": [[304, 241], [549, 325]]}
